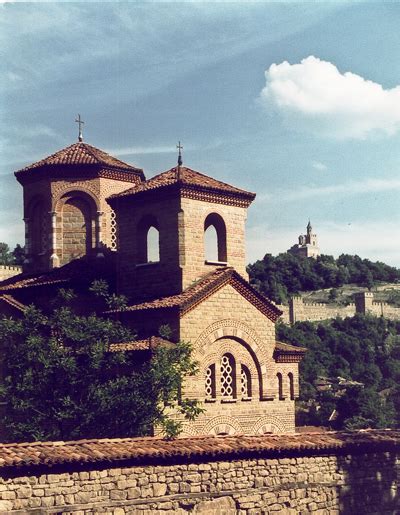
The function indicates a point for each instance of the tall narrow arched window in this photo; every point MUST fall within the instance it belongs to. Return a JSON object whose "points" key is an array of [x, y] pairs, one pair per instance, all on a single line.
{"points": [[228, 379], [148, 240], [210, 390], [153, 245], [291, 385], [280, 386], [215, 239], [245, 382]]}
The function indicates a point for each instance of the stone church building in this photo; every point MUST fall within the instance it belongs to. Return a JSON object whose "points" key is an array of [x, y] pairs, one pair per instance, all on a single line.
{"points": [[89, 215]]}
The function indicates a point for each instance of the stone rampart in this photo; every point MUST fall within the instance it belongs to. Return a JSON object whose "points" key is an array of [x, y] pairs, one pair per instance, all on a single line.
{"points": [[353, 472], [7, 271], [300, 310]]}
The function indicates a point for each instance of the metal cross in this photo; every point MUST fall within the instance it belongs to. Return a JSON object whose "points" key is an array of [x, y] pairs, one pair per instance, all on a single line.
{"points": [[80, 122], [179, 147]]}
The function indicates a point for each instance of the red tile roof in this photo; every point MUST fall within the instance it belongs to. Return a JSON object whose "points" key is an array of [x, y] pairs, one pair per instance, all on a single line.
{"points": [[187, 177], [281, 347], [149, 343], [114, 452], [205, 287], [9, 299], [81, 154], [77, 270]]}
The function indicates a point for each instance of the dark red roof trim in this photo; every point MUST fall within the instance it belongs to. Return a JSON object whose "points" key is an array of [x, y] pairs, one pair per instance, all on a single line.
{"points": [[114, 452]]}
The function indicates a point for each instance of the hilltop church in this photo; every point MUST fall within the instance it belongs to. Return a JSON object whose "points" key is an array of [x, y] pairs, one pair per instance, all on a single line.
{"points": [[89, 215]]}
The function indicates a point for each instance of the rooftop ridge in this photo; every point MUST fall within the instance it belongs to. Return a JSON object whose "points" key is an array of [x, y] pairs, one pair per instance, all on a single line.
{"points": [[80, 153], [158, 450], [187, 178]]}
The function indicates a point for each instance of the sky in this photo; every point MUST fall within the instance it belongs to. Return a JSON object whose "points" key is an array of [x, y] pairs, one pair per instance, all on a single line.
{"points": [[297, 102]]}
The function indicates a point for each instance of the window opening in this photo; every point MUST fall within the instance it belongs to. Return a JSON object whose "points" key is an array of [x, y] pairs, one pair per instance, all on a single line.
{"points": [[245, 382], [153, 245], [280, 386], [291, 386], [215, 239], [210, 382], [227, 376]]}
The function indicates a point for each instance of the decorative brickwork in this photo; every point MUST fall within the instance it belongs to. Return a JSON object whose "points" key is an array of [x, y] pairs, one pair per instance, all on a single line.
{"points": [[65, 209]]}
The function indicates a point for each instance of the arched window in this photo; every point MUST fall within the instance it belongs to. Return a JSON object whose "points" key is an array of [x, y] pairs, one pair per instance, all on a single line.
{"points": [[291, 386], [148, 242], [77, 227], [245, 382], [210, 390], [280, 386], [228, 383], [215, 239], [153, 245]]}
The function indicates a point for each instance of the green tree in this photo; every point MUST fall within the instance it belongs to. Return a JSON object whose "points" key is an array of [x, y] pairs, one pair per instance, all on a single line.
{"points": [[61, 380], [5, 254]]}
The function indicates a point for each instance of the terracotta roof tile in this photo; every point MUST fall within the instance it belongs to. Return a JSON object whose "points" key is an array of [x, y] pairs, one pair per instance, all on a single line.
{"points": [[286, 348], [149, 343], [81, 154], [188, 177], [205, 287], [157, 450], [77, 269], [9, 299]]}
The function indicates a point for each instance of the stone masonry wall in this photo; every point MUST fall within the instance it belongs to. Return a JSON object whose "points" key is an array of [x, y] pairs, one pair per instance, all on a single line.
{"points": [[7, 271], [228, 323], [349, 483]]}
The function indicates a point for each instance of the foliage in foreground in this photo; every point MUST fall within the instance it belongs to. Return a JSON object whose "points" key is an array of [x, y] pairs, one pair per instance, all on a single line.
{"points": [[281, 276], [364, 349], [61, 382]]}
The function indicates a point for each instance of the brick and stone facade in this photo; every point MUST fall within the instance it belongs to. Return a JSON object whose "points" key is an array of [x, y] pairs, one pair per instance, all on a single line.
{"points": [[65, 210], [180, 261], [244, 388]]}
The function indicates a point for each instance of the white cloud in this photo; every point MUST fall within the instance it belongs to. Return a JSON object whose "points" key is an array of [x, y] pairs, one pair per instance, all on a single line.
{"points": [[314, 95], [334, 239], [319, 166], [343, 189]]}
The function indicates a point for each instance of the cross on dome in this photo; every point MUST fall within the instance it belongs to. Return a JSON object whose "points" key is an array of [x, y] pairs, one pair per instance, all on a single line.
{"points": [[80, 122]]}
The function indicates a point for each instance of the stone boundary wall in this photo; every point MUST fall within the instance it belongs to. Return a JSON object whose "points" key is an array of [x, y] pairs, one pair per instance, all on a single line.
{"points": [[301, 311], [7, 271], [305, 477]]}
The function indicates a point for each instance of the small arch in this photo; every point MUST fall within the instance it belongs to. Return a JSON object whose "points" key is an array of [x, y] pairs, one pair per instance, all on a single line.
{"points": [[228, 376], [148, 239], [209, 384], [291, 385], [245, 382], [77, 225], [269, 424], [222, 425], [215, 239], [280, 386]]}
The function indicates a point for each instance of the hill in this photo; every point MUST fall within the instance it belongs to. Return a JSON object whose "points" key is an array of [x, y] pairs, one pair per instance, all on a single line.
{"points": [[350, 375], [284, 275]]}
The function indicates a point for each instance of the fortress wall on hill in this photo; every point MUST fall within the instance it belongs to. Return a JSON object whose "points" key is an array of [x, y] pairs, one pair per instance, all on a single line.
{"points": [[7, 271], [301, 311]]}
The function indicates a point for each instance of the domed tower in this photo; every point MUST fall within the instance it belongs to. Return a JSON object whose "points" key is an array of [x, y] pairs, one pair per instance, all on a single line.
{"points": [[65, 212]]}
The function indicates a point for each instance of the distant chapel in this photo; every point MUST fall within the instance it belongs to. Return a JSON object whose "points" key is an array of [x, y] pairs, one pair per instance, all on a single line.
{"points": [[89, 215], [308, 244]]}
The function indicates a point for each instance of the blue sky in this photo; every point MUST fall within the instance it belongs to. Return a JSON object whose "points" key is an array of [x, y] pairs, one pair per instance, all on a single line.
{"points": [[299, 102]]}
